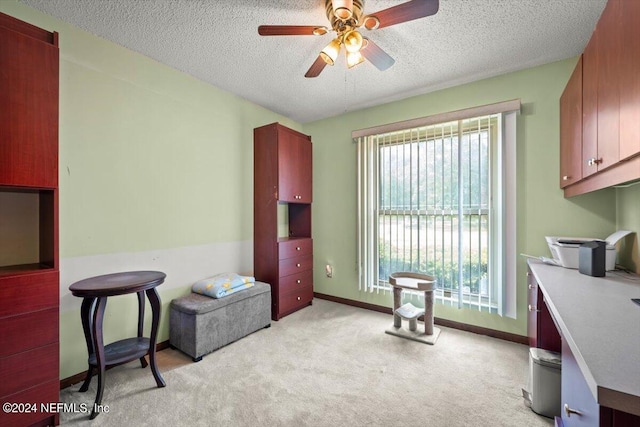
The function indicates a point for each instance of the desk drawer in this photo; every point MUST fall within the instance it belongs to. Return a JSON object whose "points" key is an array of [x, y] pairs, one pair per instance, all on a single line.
{"points": [[295, 265], [576, 393], [295, 282], [295, 248], [296, 299]]}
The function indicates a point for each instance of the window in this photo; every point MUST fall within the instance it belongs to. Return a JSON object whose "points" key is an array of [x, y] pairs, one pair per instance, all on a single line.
{"points": [[433, 199]]}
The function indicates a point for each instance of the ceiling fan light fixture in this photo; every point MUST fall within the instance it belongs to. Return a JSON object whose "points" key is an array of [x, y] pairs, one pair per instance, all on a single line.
{"points": [[346, 17], [354, 58], [343, 9], [330, 52], [352, 41]]}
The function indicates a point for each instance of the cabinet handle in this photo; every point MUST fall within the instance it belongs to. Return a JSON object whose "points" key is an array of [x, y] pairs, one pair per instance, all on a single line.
{"points": [[298, 265], [593, 161], [298, 281], [297, 248], [566, 178], [533, 308], [528, 274], [530, 286], [299, 300], [570, 411]]}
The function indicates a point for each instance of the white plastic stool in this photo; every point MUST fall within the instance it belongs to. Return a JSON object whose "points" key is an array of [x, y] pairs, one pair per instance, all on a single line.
{"points": [[414, 282]]}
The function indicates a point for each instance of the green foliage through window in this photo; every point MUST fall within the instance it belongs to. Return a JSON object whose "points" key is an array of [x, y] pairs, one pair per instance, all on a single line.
{"points": [[434, 202]]}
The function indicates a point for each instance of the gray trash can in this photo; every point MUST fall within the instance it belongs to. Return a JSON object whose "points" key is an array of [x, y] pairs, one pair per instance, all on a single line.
{"points": [[544, 378]]}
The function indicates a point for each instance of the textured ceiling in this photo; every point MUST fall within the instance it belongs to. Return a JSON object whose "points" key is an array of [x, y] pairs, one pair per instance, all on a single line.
{"points": [[218, 42]]}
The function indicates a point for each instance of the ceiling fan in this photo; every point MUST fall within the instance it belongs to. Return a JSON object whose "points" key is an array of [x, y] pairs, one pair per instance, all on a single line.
{"points": [[346, 17]]}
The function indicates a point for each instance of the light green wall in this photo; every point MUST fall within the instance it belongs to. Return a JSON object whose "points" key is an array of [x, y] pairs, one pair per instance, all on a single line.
{"points": [[150, 158], [148, 155], [541, 207], [628, 218]]}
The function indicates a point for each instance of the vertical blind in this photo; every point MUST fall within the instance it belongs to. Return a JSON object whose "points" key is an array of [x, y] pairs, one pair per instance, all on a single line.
{"points": [[430, 201]]}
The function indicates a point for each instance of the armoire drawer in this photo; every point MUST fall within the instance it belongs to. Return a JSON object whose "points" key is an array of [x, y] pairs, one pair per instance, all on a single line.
{"points": [[24, 370], [295, 248], [295, 282], [27, 331], [295, 265], [48, 392], [296, 299], [28, 292]]}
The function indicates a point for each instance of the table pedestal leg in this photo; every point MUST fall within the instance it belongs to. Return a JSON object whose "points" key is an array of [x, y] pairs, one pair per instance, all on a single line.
{"points": [[154, 299], [143, 361], [98, 345], [88, 305]]}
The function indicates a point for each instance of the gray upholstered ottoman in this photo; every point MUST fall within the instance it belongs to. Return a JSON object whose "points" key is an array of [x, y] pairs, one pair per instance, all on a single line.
{"points": [[199, 324]]}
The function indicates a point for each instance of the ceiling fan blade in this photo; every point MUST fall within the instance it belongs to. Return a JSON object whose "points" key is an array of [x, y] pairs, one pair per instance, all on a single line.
{"points": [[291, 30], [377, 56], [316, 68], [408, 11]]}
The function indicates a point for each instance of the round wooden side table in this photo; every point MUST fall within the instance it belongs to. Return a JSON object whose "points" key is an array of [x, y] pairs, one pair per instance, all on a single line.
{"points": [[95, 291]]}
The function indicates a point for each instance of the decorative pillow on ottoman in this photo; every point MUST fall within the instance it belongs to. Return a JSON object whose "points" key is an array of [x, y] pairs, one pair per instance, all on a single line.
{"points": [[222, 284]]}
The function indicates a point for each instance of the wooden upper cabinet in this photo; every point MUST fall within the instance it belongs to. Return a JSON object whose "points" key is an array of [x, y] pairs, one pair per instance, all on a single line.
{"points": [[610, 104], [305, 170], [630, 79], [589, 107], [294, 166], [29, 110], [609, 48], [571, 129]]}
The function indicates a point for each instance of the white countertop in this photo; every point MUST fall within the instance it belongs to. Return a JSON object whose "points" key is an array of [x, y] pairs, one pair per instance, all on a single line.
{"points": [[602, 328]]}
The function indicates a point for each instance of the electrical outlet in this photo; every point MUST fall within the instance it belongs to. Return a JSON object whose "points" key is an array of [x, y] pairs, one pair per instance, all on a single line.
{"points": [[328, 269]]}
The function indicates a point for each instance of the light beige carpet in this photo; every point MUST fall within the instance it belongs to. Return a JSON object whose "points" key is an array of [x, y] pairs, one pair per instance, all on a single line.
{"points": [[326, 365]]}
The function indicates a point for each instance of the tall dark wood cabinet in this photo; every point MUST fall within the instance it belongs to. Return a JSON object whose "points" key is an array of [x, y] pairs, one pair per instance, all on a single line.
{"points": [[282, 183], [29, 270]]}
